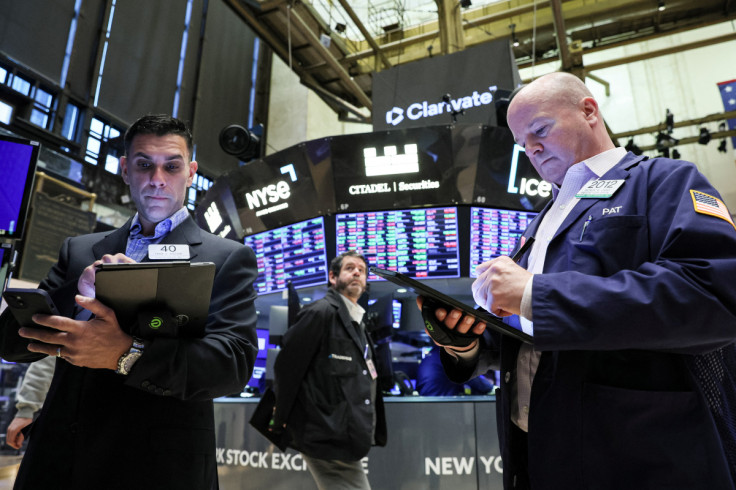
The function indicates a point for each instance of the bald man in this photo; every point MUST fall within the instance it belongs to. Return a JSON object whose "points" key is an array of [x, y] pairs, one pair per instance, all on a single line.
{"points": [[630, 293]]}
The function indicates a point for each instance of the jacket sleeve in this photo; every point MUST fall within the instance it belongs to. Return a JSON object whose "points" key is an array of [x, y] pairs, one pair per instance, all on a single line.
{"points": [[671, 284], [34, 386], [221, 362], [13, 347], [299, 346]]}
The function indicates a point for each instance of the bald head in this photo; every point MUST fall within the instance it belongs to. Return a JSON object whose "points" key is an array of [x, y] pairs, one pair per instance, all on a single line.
{"points": [[556, 119]]}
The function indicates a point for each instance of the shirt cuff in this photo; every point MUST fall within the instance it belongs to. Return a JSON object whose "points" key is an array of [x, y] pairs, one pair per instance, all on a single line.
{"points": [[526, 300]]}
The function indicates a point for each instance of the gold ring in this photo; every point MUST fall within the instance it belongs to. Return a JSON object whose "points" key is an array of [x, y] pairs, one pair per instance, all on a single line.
{"points": [[58, 351]]}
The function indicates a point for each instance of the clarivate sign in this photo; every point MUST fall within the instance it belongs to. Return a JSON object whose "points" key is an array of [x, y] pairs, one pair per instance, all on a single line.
{"points": [[424, 109]]}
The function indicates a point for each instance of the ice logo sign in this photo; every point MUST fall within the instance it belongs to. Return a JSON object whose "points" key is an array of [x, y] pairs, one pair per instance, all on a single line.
{"points": [[529, 187]]}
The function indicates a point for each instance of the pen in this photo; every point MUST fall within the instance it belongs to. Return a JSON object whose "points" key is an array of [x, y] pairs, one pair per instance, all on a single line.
{"points": [[520, 253], [585, 225]]}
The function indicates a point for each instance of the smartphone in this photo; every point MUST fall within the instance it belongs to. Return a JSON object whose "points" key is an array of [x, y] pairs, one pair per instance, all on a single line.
{"points": [[24, 303]]}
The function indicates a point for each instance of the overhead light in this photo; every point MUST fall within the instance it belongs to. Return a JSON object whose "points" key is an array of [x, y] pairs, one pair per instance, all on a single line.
{"points": [[632, 147], [676, 154], [665, 142], [704, 137], [465, 3], [669, 121], [722, 146], [660, 5], [514, 39], [340, 27]]}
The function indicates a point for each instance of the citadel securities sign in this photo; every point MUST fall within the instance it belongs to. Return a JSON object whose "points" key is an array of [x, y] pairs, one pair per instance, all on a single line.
{"points": [[433, 442], [459, 87], [390, 169]]}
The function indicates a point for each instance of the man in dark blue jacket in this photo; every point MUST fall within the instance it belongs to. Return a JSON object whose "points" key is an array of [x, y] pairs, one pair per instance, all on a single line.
{"points": [[327, 398], [630, 296]]}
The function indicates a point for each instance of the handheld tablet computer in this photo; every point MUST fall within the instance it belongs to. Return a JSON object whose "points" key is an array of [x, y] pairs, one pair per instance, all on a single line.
{"points": [[434, 299], [157, 299]]}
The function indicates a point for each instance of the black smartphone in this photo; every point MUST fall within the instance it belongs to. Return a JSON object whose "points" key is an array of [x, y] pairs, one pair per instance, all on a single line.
{"points": [[24, 303]]}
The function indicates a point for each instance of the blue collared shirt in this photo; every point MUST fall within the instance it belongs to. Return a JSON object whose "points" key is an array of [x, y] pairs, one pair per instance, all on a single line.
{"points": [[138, 243]]}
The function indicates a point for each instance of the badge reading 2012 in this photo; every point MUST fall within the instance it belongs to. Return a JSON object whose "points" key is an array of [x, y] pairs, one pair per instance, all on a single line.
{"points": [[599, 189]]}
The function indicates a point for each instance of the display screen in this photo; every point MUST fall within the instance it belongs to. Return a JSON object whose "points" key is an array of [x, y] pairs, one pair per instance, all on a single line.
{"points": [[259, 371], [421, 243], [293, 253], [263, 343], [396, 170], [17, 168], [494, 232]]}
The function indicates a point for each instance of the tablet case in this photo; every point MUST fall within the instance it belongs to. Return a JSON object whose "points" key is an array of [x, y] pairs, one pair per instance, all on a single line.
{"points": [[157, 299], [422, 289]]}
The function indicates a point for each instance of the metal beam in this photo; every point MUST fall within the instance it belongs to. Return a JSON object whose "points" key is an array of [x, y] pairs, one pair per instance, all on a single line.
{"points": [[662, 52], [450, 23], [723, 116], [561, 34], [352, 87], [367, 35], [694, 139], [427, 36], [276, 44]]}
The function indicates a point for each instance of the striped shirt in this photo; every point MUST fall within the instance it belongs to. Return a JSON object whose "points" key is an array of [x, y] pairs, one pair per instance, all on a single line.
{"points": [[138, 243]]}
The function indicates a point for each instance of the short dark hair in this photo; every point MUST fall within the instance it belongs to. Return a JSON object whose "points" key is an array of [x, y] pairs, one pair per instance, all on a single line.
{"points": [[160, 125], [336, 264]]}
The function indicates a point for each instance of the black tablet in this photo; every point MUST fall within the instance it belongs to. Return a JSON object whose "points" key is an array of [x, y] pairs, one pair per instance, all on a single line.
{"points": [[450, 303], [168, 299]]}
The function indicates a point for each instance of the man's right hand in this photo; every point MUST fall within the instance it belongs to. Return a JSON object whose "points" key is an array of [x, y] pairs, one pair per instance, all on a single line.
{"points": [[15, 437], [86, 283]]}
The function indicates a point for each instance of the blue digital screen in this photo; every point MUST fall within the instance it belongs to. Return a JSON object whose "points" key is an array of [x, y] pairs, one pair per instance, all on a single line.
{"points": [[494, 232], [421, 243], [293, 253], [18, 159]]}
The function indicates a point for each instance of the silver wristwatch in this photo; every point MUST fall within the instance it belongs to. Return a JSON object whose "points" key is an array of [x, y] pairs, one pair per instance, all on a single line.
{"points": [[128, 359]]}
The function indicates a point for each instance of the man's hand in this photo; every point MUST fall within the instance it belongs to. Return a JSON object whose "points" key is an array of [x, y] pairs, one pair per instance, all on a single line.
{"points": [[500, 286], [97, 343], [86, 283], [455, 321], [15, 437]]}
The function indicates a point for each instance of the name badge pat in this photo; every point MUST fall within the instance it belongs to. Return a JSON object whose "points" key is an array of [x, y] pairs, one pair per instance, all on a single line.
{"points": [[599, 189], [168, 251]]}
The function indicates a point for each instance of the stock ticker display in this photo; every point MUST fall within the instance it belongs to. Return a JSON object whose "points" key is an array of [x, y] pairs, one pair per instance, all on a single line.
{"points": [[421, 243], [293, 253], [494, 232]]}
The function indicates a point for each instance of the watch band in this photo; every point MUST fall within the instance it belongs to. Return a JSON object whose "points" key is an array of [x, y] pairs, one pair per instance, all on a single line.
{"points": [[128, 359]]}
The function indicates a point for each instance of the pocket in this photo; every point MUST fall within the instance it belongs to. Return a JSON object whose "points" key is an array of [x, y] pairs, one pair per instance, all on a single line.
{"points": [[613, 242], [341, 357], [644, 439]]}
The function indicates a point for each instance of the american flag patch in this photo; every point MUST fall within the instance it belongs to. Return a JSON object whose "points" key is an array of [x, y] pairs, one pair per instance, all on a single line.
{"points": [[707, 204]]}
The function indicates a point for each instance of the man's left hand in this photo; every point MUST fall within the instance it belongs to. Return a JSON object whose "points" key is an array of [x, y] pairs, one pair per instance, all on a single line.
{"points": [[97, 343]]}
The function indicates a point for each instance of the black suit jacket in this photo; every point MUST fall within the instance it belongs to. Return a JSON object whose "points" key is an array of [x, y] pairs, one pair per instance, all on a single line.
{"points": [[323, 386], [152, 429]]}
